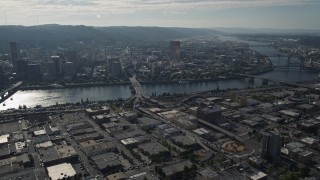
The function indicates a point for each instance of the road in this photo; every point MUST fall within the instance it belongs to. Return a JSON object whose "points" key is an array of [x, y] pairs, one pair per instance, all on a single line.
{"points": [[250, 145], [120, 146], [82, 157], [136, 85], [212, 146]]}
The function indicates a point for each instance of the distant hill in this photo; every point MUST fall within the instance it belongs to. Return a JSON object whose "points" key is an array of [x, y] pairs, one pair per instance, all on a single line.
{"points": [[53, 36], [269, 31]]}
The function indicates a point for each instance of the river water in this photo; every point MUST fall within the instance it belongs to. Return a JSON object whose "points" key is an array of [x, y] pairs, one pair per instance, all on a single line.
{"points": [[72, 95]]}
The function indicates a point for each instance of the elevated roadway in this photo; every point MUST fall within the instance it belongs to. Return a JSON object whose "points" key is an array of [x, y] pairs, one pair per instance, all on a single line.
{"points": [[274, 80], [5, 94]]}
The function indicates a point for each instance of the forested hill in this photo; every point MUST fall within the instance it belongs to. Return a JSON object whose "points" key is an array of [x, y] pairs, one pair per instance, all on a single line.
{"points": [[52, 36]]}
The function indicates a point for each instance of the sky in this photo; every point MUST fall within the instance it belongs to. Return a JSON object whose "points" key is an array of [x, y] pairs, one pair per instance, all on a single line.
{"points": [[277, 14]]}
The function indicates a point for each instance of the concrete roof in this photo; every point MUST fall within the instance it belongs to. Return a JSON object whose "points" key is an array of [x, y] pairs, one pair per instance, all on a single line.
{"points": [[153, 148], [106, 160], [201, 131], [129, 141], [174, 168], [60, 171], [4, 138]]}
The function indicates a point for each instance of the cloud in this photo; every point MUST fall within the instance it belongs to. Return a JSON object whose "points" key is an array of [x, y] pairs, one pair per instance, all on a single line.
{"points": [[65, 2], [125, 5], [23, 11]]}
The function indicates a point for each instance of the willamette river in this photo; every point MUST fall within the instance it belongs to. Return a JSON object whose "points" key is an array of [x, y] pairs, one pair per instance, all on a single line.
{"points": [[72, 95]]}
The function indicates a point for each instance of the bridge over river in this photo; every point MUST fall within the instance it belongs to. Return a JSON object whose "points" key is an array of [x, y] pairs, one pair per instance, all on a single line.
{"points": [[5, 94]]}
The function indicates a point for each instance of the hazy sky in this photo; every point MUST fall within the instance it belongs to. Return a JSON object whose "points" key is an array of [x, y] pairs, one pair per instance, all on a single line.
{"points": [[178, 13]]}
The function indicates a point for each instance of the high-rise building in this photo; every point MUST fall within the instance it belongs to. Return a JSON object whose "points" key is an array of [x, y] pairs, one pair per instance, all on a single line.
{"points": [[271, 144], [56, 60], [72, 56], [69, 69], [21, 68], [35, 55], [116, 69], [48, 68], [34, 73], [14, 53], [175, 52]]}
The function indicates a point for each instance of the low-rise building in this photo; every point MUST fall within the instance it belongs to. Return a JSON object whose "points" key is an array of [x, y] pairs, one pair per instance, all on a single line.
{"points": [[49, 155], [113, 128], [207, 174], [128, 134], [96, 111], [185, 142], [4, 139], [148, 123], [92, 148], [154, 150], [171, 170], [117, 176], [298, 152], [130, 142], [61, 171], [204, 133], [76, 132], [311, 142], [129, 116], [67, 152], [107, 162], [40, 132], [86, 137], [310, 126], [209, 114], [290, 113], [171, 132]]}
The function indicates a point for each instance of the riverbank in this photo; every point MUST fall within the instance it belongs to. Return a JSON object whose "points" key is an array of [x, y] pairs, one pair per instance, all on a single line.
{"points": [[71, 85], [232, 77], [188, 80]]}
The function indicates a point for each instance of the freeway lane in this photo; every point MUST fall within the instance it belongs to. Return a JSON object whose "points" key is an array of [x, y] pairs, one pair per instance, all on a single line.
{"points": [[251, 145]]}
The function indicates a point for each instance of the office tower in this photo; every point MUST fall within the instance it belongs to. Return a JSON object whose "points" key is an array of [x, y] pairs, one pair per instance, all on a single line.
{"points": [[21, 69], [271, 144], [34, 73], [116, 69], [175, 51], [35, 55], [69, 69], [56, 60], [72, 56], [49, 68], [14, 53]]}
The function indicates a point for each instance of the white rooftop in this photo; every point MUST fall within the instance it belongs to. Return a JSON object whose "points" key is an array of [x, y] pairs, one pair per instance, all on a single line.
{"points": [[4, 138], [309, 140], [259, 175], [200, 131], [289, 113], [129, 141], [60, 171], [40, 132]]}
